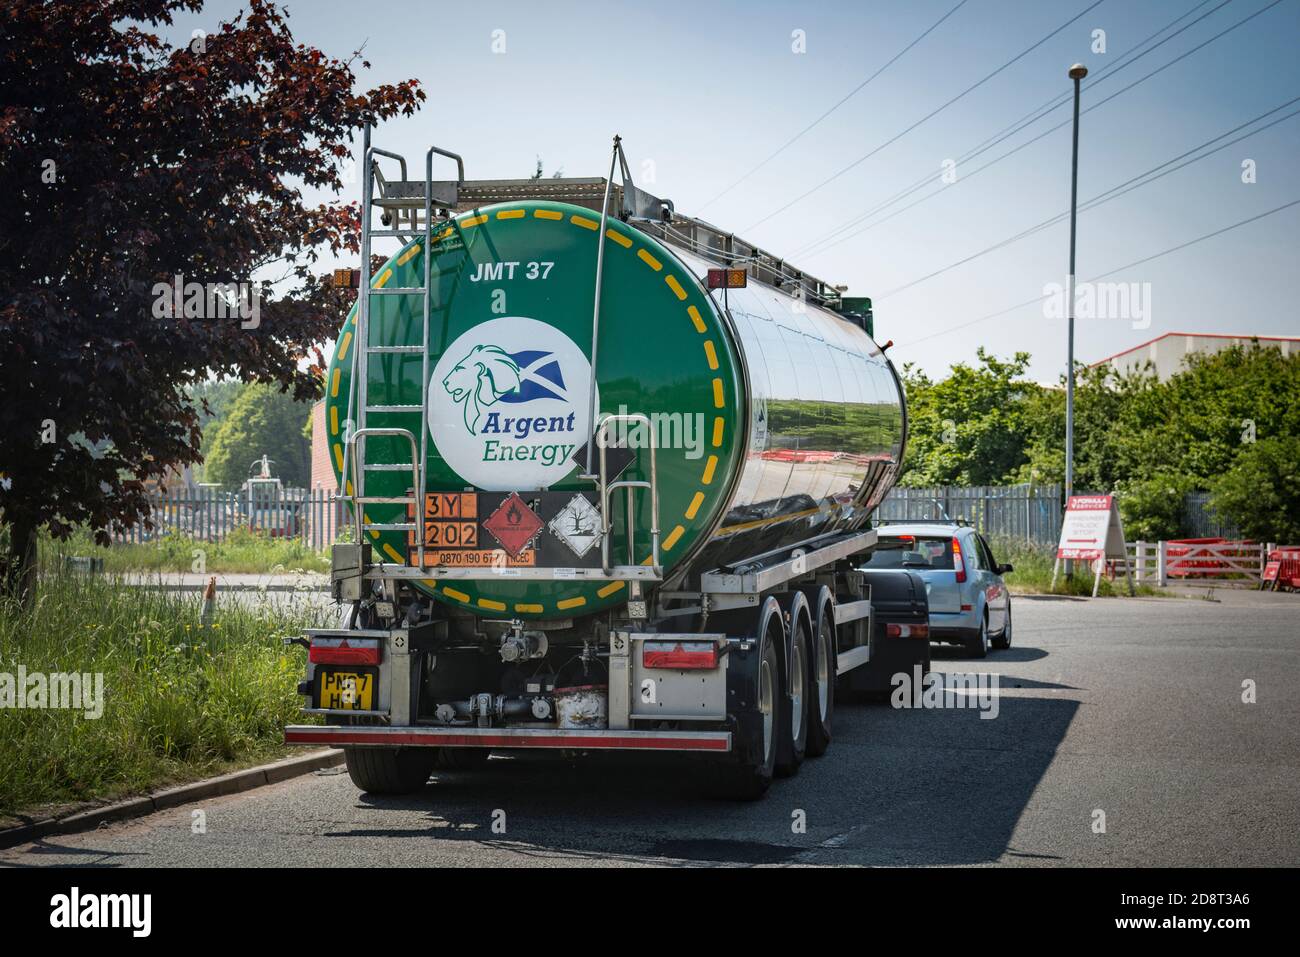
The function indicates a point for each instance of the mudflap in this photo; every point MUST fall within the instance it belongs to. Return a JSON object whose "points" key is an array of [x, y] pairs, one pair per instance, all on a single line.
{"points": [[890, 656]]}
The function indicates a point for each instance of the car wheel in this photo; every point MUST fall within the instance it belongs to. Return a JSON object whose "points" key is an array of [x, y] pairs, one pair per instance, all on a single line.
{"points": [[1003, 641], [978, 645]]}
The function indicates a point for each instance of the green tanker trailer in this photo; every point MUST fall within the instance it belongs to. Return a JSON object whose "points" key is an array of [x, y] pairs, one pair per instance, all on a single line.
{"points": [[610, 472]]}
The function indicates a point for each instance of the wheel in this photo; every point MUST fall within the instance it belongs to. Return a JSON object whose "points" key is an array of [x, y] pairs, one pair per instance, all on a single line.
{"points": [[749, 778], [390, 770], [821, 703], [1003, 641], [462, 759], [792, 740], [978, 646]]}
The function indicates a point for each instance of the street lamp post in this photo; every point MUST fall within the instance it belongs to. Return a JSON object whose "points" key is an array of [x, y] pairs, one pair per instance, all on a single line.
{"points": [[1077, 73]]}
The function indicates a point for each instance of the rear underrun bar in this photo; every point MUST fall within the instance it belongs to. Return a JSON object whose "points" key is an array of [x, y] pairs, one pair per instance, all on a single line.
{"points": [[592, 740]]}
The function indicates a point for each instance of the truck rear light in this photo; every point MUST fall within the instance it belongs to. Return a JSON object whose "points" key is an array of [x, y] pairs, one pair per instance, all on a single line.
{"points": [[344, 651], [727, 278], [907, 631], [958, 562], [679, 654]]}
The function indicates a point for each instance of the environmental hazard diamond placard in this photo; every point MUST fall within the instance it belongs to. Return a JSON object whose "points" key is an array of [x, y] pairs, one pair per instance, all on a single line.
{"points": [[513, 524], [577, 525]]}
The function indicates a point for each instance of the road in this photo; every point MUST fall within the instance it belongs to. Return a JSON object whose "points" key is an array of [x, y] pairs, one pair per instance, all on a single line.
{"points": [[1132, 708]]}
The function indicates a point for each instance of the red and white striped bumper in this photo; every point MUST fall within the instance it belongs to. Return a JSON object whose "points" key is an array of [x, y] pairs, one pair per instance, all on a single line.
{"points": [[594, 740]]}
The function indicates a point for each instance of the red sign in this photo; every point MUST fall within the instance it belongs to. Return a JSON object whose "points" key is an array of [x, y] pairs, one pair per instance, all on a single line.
{"points": [[513, 524]]}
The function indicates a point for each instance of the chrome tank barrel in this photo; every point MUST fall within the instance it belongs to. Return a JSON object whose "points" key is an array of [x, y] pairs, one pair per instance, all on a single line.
{"points": [[826, 423]]}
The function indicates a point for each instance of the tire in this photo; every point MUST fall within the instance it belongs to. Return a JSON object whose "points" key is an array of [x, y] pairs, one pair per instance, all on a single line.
{"points": [[749, 780], [390, 770], [821, 702], [1003, 641], [462, 759], [978, 645], [793, 736]]}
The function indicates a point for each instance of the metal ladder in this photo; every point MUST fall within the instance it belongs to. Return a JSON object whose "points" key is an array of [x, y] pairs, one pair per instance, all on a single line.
{"points": [[404, 197]]}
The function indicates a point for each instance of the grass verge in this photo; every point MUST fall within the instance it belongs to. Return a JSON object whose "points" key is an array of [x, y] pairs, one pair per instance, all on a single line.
{"points": [[1033, 573], [243, 550], [179, 701]]}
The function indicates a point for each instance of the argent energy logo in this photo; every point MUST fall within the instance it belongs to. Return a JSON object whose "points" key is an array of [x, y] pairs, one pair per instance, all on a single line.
{"points": [[510, 392]]}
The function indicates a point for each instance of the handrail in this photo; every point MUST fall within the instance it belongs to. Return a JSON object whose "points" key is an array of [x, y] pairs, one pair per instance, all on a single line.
{"points": [[358, 505], [605, 486]]}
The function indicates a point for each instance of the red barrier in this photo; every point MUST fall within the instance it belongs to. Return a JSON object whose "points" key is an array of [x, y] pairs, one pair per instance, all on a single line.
{"points": [[1197, 557], [1282, 569]]}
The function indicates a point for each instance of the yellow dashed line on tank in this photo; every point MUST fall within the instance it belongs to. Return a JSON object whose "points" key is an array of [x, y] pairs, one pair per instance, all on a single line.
{"points": [[344, 342], [548, 214], [649, 260], [709, 466], [473, 221], [334, 383], [609, 589], [509, 214], [711, 354], [382, 281], [567, 603], [334, 421], [393, 553], [695, 318], [445, 233], [530, 609], [675, 286], [374, 534], [338, 457], [491, 605], [718, 425], [584, 222], [672, 538], [717, 394], [619, 238], [407, 256], [453, 593], [694, 506]]}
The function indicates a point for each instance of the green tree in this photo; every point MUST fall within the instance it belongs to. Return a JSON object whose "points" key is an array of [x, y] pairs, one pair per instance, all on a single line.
{"points": [[1260, 493], [262, 421], [970, 428]]}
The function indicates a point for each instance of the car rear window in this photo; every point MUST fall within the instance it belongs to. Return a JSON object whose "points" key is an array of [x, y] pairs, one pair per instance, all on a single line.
{"points": [[909, 551]]}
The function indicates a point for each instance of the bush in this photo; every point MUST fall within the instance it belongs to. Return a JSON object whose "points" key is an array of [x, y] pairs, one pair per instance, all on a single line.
{"points": [[1154, 509], [1260, 494]]}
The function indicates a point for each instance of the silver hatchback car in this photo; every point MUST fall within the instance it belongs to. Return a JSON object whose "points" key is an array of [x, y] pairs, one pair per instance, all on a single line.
{"points": [[969, 602]]}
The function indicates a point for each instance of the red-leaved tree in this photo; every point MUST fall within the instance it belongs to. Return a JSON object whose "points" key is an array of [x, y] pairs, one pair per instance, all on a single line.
{"points": [[125, 162]]}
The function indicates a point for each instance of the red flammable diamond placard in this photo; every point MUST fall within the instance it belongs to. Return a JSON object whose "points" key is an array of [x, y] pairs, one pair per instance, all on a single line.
{"points": [[513, 524]]}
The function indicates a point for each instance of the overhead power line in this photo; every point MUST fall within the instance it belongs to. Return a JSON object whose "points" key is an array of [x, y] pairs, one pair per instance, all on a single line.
{"points": [[897, 136], [1142, 179], [1125, 60], [852, 93], [1110, 272]]}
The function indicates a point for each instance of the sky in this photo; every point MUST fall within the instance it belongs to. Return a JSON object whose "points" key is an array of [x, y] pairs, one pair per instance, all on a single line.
{"points": [[704, 93]]}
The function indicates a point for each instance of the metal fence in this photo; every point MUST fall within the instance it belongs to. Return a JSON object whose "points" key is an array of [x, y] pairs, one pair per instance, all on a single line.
{"points": [[313, 516], [1028, 512], [1201, 521]]}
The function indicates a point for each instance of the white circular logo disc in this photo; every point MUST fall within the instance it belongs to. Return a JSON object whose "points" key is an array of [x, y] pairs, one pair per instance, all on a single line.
{"points": [[509, 404]]}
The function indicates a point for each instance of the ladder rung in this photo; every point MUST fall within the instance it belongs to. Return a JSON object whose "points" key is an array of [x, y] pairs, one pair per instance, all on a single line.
{"points": [[411, 232], [386, 467], [398, 291], [388, 349], [390, 526], [384, 500], [395, 408]]}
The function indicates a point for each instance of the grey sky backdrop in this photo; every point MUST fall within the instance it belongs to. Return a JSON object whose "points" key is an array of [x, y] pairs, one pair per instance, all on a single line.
{"points": [[705, 91]]}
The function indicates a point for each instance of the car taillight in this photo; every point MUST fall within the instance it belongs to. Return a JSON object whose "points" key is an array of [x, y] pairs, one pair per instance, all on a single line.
{"points": [[344, 651], [679, 654], [907, 631], [958, 562]]}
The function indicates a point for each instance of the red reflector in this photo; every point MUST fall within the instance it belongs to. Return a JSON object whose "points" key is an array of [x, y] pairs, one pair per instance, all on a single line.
{"points": [[679, 654], [966, 607], [343, 653]]}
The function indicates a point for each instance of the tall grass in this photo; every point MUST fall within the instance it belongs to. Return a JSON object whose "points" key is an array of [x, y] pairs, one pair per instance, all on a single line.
{"points": [[1033, 572], [180, 700], [242, 550]]}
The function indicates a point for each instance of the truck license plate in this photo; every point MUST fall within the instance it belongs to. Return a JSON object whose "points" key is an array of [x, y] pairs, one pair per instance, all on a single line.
{"points": [[347, 690]]}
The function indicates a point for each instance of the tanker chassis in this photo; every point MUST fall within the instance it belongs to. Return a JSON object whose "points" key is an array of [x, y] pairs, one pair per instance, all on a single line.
{"points": [[610, 473]]}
